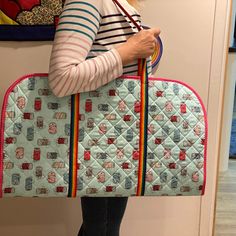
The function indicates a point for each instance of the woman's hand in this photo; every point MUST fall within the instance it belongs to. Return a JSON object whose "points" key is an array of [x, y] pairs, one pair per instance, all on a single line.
{"points": [[140, 45]]}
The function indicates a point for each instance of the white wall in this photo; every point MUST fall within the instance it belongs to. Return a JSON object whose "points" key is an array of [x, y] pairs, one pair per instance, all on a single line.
{"points": [[229, 99], [193, 33], [228, 111]]}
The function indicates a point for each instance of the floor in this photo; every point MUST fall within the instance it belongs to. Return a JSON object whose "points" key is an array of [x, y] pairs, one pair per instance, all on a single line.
{"points": [[226, 202]]}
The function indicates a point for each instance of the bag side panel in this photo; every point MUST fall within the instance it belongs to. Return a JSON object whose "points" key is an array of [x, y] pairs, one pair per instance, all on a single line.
{"points": [[36, 140], [109, 139], [177, 140]]}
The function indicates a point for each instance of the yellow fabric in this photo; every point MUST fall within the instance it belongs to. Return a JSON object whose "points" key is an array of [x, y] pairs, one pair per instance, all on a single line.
{"points": [[5, 20]]}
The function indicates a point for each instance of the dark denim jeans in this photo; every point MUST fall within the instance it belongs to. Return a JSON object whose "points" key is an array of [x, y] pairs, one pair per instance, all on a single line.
{"points": [[102, 216]]}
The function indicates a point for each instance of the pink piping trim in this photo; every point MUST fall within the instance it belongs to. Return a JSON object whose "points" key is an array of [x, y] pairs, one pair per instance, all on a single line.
{"points": [[3, 114]]}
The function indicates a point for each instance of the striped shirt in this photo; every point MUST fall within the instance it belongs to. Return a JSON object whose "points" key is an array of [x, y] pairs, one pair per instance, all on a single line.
{"points": [[83, 55]]}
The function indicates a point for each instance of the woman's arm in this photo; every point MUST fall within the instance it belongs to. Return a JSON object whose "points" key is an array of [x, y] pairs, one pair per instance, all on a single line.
{"points": [[69, 72]]}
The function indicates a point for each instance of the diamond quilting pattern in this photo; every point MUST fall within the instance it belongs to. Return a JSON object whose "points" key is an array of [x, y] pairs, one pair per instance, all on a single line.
{"points": [[175, 139], [110, 146], [175, 132], [37, 140]]}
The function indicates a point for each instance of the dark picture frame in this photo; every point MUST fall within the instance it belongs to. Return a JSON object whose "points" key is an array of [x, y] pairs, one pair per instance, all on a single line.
{"points": [[232, 47], [21, 29]]}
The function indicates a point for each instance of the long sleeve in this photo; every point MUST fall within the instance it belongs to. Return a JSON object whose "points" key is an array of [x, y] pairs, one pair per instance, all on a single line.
{"points": [[69, 71]]}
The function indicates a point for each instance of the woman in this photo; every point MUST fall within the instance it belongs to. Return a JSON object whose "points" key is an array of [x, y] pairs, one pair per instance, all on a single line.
{"points": [[95, 43]]}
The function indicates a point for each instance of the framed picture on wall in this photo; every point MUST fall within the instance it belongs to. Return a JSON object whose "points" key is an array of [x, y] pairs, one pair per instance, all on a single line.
{"points": [[31, 20], [234, 27]]}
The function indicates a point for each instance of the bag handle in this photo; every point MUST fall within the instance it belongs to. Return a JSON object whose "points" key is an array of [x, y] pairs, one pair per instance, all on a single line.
{"points": [[142, 62], [143, 133], [127, 14]]}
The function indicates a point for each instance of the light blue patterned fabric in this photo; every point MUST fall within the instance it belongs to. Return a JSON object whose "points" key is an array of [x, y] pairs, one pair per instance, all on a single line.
{"points": [[36, 137]]}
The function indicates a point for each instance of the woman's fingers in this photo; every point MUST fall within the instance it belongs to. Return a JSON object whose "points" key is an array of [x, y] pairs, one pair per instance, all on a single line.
{"points": [[140, 45]]}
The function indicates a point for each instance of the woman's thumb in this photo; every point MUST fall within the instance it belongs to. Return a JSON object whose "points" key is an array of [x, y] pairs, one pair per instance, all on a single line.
{"points": [[155, 31]]}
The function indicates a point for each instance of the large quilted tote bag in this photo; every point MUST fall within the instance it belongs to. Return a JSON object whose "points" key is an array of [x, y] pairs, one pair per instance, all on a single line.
{"points": [[100, 143], [135, 136]]}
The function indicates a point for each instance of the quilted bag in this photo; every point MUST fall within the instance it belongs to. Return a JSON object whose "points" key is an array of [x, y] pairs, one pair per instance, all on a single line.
{"points": [[90, 143], [135, 136]]}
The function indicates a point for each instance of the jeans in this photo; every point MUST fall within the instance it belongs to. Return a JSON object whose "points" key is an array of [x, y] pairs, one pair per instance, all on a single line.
{"points": [[102, 216]]}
